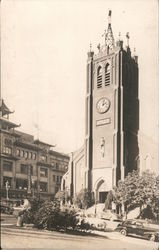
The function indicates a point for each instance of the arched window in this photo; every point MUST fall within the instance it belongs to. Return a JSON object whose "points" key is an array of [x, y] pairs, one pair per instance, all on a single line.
{"points": [[99, 77], [107, 74]]}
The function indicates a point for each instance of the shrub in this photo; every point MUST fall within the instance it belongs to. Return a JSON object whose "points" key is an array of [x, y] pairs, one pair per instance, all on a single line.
{"points": [[84, 199], [62, 196], [85, 225], [69, 219], [29, 215], [47, 216], [36, 204], [147, 213], [50, 217]]}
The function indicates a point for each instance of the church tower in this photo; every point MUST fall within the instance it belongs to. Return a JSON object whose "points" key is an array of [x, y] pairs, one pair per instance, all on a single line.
{"points": [[112, 114]]}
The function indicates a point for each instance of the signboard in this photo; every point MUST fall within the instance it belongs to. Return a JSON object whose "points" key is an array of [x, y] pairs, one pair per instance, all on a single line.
{"points": [[103, 122]]}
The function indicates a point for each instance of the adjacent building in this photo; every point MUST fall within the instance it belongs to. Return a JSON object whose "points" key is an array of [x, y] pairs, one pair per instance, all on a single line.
{"points": [[28, 166], [148, 154]]}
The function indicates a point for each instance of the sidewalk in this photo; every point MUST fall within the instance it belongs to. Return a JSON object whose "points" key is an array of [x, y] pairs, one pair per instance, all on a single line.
{"points": [[13, 229]]}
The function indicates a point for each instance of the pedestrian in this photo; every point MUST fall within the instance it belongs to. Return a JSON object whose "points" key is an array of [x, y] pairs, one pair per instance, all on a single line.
{"points": [[25, 207]]}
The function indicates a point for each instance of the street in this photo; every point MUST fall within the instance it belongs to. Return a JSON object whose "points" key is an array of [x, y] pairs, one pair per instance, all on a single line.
{"points": [[23, 238], [56, 240]]}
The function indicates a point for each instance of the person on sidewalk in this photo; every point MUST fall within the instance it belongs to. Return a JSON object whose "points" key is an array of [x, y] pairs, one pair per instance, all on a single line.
{"points": [[25, 207]]}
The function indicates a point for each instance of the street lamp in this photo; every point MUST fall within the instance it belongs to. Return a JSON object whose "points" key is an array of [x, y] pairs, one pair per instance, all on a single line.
{"points": [[95, 192], [33, 187], [7, 188]]}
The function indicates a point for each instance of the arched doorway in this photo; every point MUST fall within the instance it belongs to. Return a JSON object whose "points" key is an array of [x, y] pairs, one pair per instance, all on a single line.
{"points": [[101, 191]]}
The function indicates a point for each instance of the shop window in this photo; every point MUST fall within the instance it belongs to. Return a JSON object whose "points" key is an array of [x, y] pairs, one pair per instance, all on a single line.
{"points": [[43, 172], [7, 166], [21, 184], [43, 187], [24, 169]]}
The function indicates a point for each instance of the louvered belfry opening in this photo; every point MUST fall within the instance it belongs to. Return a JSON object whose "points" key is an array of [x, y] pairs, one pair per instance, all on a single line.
{"points": [[99, 77], [107, 74]]}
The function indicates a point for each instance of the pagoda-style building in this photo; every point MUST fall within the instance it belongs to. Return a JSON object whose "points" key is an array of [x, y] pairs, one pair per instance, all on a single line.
{"points": [[28, 167]]}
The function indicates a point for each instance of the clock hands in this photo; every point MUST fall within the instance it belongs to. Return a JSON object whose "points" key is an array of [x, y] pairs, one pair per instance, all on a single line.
{"points": [[103, 105]]}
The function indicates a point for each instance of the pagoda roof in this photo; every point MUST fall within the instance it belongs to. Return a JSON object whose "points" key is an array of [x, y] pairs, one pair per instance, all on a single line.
{"points": [[55, 153], [8, 123], [4, 109], [26, 145], [41, 143]]}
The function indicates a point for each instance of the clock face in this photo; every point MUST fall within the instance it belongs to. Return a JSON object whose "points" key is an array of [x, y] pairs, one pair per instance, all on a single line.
{"points": [[103, 105]]}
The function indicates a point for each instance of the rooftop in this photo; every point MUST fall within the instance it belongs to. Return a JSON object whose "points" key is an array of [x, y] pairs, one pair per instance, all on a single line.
{"points": [[4, 110], [6, 122]]}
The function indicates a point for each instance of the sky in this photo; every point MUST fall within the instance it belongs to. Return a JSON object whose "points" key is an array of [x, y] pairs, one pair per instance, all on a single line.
{"points": [[44, 45]]}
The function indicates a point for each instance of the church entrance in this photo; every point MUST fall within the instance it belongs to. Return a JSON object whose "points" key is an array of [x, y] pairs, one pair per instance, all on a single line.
{"points": [[101, 191], [102, 196]]}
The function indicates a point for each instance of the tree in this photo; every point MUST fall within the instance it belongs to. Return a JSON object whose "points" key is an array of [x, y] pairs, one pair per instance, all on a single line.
{"points": [[62, 196], [108, 201], [137, 190], [84, 199]]}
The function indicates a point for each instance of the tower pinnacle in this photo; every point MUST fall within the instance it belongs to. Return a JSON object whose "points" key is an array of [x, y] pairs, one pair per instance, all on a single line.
{"points": [[90, 46], [109, 17], [128, 37], [109, 38]]}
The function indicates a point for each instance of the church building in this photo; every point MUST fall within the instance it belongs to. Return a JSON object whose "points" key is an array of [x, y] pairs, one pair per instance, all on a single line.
{"points": [[110, 147]]}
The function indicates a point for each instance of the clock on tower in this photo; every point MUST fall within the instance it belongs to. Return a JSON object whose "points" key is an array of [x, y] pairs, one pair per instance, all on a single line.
{"points": [[111, 139]]}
